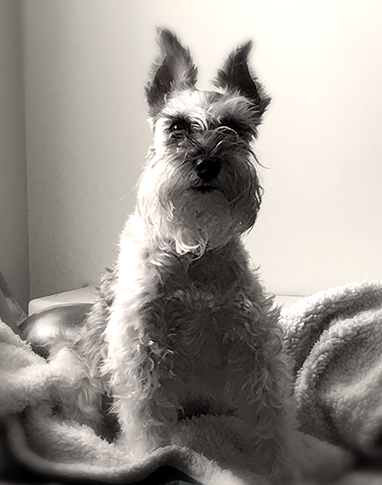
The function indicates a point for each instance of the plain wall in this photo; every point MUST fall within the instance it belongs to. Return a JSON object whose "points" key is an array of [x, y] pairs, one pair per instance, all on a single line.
{"points": [[13, 174], [86, 63]]}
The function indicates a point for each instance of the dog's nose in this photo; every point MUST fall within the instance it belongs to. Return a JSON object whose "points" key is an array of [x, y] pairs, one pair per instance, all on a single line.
{"points": [[207, 168]]}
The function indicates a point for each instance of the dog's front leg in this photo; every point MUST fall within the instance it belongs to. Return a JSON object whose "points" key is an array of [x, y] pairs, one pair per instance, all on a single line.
{"points": [[143, 411], [132, 363], [259, 384]]}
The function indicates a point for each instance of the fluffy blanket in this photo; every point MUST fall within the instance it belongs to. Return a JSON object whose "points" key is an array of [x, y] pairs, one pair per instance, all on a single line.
{"points": [[334, 339]]}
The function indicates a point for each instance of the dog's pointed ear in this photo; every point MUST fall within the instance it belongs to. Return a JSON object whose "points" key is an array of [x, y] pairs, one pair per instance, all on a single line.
{"points": [[174, 69], [235, 75]]}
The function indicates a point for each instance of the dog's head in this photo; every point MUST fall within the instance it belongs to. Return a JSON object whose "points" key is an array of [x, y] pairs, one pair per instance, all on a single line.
{"points": [[200, 188]]}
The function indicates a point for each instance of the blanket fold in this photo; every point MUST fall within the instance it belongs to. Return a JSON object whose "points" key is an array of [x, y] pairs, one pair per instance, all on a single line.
{"points": [[334, 340]]}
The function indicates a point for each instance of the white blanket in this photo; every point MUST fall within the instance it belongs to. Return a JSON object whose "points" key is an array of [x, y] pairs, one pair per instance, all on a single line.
{"points": [[335, 341]]}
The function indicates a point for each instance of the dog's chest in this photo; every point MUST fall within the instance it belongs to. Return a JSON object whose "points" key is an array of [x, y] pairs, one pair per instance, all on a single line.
{"points": [[197, 307], [192, 324]]}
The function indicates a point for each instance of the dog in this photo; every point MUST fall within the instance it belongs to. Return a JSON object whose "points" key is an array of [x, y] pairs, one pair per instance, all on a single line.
{"points": [[182, 326]]}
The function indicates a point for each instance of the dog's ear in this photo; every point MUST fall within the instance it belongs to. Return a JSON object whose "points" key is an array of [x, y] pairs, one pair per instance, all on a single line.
{"points": [[173, 70], [235, 75]]}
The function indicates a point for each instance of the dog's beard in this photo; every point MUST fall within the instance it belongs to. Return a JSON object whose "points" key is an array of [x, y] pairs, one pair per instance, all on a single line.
{"points": [[199, 221], [179, 211]]}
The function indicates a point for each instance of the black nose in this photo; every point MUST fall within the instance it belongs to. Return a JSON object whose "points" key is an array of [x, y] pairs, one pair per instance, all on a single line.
{"points": [[207, 168]]}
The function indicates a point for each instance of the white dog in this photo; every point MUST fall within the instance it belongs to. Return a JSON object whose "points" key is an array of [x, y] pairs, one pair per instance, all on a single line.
{"points": [[182, 326]]}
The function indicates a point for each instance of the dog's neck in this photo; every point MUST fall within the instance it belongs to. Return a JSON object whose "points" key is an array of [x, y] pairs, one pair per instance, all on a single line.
{"points": [[162, 265], [218, 265]]}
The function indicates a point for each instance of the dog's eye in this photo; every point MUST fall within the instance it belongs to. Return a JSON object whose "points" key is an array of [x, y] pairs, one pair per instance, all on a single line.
{"points": [[239, 128], [178, 130]]}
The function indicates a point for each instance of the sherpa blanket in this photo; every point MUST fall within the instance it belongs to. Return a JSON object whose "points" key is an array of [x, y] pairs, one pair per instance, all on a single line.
{"points": [[334, 339]]}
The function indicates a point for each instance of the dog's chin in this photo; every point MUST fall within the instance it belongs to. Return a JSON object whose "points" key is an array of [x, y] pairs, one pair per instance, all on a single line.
{"points": [[203, 208], [197, 241]]}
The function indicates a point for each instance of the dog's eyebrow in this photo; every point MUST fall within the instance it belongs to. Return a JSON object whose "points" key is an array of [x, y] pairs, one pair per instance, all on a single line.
{"points": [[239, 125], [182, 119]]}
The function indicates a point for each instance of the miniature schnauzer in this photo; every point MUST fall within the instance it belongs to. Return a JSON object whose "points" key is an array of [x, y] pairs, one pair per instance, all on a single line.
{"points": [[182, 326]]}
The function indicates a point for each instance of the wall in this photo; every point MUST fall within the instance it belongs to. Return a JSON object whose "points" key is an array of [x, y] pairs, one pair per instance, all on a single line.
{"points": [[13, 183], [86, 63]]}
